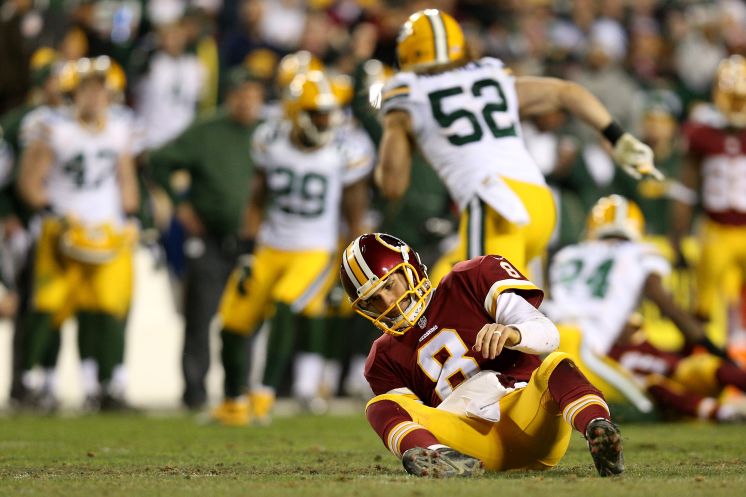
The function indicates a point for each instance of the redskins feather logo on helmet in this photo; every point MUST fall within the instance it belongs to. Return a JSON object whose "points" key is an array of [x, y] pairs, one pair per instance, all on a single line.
{"points": [[428, 39], [615, 216], [366, 264]]}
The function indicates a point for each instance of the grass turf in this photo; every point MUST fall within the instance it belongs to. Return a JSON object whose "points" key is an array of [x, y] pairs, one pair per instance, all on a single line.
{"points": [[129, 455]]}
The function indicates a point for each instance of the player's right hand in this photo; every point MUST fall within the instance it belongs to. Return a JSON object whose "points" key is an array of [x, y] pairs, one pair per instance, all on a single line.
{"points": [[493, 337], [635, 158]]}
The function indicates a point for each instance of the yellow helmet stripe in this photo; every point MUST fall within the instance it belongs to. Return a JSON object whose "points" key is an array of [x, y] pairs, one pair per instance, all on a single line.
{"points": [[440, 36], [352, 267]]}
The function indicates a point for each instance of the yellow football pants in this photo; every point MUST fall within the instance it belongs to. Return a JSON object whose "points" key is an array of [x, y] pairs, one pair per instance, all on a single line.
{"points": [[615, 382], [722, 266], [483, 231], [301, 280], [63, 286], [531, 433]]}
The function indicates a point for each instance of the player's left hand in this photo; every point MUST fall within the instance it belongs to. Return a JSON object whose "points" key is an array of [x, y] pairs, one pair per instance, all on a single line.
{"points": [[493, 337], [635, 158]]}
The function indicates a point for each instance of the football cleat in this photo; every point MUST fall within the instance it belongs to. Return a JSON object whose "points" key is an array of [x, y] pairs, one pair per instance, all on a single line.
{"points": [[605, 445], [232, 413], [262, 401], [443, 462]]}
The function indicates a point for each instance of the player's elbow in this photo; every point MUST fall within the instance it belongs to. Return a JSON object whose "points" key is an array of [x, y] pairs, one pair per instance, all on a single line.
{"points": [[553, 337]]}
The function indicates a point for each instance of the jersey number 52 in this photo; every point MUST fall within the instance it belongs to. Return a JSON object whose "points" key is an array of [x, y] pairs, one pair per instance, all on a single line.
{"points": [[479, 89]]}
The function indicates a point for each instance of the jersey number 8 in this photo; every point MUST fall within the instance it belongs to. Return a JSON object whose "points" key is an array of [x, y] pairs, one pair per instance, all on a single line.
{"points": [[456, 365]]}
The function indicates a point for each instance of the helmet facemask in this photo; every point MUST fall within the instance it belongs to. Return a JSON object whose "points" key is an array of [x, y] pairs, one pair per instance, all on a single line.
{"points": [[315, 132], [403, 314]]}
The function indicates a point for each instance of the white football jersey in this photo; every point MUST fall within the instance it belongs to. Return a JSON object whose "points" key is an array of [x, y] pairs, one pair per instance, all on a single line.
{"points": [[467, 126], [83, 181], [597, 284], [305, 186]]}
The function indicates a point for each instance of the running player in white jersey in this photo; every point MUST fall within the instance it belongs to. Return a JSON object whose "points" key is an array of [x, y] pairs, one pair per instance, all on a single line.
{"points": [[77, 169], [307, 172], [464, 115], [597, 285]]}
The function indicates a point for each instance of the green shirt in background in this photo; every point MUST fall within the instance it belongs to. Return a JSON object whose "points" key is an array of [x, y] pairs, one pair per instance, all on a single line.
{"points": [[216, 153], [10, 124]]}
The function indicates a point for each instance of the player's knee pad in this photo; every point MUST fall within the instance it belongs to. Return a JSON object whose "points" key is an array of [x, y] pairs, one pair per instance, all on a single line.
{"points": [[698, 373]]}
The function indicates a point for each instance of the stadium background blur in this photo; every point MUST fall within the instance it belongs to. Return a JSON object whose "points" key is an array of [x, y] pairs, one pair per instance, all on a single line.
{"points": [[651, 62]]}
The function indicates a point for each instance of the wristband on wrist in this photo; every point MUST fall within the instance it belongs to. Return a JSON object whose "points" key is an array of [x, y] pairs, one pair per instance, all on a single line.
{"points": [[613, 132]]}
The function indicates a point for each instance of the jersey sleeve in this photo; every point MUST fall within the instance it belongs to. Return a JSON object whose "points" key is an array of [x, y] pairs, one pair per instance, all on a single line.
{"points": [[359, 154], [496, 276], [401, 92], [263, 136], [653, 261], [37, 126], [134, 128], [379, 373]]}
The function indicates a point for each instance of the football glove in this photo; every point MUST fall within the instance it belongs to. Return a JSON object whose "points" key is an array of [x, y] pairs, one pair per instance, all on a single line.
{"points": [[635, 158], [244, 267], [244, 264]]}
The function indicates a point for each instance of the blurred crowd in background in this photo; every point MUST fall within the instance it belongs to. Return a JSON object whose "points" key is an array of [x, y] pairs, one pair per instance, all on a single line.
{"points": [[651, 62]]}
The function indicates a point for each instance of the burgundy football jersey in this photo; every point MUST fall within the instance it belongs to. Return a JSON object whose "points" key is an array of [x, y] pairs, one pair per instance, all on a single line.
{"points": [[435, 355], [645, 358], [722, 158]]}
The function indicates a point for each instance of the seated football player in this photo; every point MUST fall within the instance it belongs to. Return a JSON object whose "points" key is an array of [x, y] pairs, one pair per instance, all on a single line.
{"points": [[596, 287], [458, 380]]}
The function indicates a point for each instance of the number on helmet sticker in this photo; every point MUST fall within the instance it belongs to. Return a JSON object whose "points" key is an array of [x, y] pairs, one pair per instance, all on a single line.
{"points": [[442, 371]]}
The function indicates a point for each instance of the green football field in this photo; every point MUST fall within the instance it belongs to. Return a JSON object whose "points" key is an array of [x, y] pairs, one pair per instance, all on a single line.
{"points": [[131, 455]]}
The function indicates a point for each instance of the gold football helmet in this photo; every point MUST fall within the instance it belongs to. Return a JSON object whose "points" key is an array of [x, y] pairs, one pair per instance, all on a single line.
{"points": [[72, 73], [428, 39], [615, 216], [43, 57], [311, 106], [296, 64], [729, 90], [342, 88]]}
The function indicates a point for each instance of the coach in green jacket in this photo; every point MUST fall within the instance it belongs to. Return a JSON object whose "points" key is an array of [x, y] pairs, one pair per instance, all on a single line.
{"points": [[215, 153]]}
